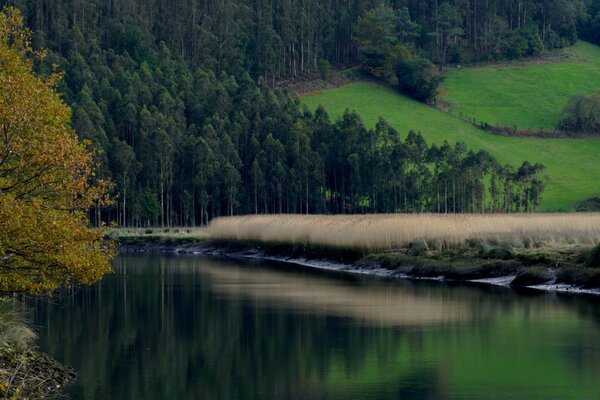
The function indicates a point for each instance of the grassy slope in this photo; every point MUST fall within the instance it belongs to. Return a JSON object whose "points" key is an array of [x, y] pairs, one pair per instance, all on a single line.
{"points": [[572, 164], [529, 95]]}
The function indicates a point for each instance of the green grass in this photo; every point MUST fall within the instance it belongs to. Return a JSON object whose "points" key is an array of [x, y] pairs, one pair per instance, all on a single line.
{"points": [[528, 95], [572, 164]]}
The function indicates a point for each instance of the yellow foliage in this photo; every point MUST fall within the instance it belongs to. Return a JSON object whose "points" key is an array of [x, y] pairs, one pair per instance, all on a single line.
{"points": [[47, 178]]}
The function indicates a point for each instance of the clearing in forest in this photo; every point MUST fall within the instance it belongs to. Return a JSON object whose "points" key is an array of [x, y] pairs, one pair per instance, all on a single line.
{"points": [[526, 95]]}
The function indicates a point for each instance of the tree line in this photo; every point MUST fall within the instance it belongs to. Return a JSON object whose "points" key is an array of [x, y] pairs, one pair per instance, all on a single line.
{"points": [[288, 38], [175, 97], [259, 152]]}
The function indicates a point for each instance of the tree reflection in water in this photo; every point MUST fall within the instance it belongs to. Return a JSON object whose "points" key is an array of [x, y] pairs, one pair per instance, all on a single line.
{"points": [[187, 328]]}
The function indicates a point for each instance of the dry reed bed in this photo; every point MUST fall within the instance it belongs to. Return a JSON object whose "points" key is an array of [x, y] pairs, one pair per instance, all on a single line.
{"points": [[392, 231]]}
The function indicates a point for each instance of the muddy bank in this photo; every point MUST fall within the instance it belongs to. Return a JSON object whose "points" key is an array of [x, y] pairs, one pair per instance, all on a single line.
{"points": [[31, 375], [558, 270]]}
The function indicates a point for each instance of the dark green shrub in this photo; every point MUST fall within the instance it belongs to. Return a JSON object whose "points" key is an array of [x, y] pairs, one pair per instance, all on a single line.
{"points": [[417, 248], [584, 277], [591, 204], [581, 114], [535, 258], [592, 257], [324, 69], [418, 77], [497, 253]]}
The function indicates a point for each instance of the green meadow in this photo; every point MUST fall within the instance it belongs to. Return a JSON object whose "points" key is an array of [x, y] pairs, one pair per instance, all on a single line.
{"points": [[571, 164], [526, 95]]}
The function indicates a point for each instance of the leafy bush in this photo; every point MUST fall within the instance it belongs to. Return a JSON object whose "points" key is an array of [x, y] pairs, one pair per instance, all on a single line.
{"points": [[592, 258], [535, 258], [525, 42], [497, 253], [585, 277], [591, 204], [581, 114], [417, 77]]}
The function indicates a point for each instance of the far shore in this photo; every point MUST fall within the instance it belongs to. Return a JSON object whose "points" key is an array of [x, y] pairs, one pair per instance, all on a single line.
{"points": [[556, 268]]}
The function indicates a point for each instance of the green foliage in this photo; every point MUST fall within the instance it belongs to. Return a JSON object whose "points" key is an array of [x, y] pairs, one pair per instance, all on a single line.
{"points": [[536, 258], [503, 252], [581, 115], [525, 42], [585, 277], [571, 164], [382, 34], [592, 257], [150, 208], [378, 63], [178, 104], [591, 204], [449, 27], [324, 69], [417, 77]]}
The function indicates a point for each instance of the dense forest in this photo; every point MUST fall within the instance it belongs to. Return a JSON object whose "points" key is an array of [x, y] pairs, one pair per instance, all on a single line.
{"points": [[289, 37], [177, 97]]}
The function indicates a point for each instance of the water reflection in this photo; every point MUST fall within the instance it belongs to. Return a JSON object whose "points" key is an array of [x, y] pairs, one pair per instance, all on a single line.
{"points": [[374, 304], [187, 328]]}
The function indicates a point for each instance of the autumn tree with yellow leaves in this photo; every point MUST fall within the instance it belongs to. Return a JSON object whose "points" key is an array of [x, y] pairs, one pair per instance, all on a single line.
{"points": [[47, 178]]}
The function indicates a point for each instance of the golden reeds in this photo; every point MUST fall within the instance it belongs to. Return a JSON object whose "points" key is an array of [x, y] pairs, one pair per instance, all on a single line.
{"points": [[389, 231]]}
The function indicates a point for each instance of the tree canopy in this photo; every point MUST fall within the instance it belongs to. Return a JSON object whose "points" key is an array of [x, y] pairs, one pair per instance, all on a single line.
{"points": [[180, 102], [47, 178]]}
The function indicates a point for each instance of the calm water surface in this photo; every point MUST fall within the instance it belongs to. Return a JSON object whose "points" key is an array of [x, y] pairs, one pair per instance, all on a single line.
{"points": [[190, 328]]}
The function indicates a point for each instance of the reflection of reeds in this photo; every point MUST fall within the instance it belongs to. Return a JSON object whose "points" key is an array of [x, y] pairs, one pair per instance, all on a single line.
{"points": [[372, 304], [388, 231]]}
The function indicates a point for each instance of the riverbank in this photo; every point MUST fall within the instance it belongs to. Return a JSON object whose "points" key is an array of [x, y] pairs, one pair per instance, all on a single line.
{"points": [[25, 372], [31, 375], [563, 268]]}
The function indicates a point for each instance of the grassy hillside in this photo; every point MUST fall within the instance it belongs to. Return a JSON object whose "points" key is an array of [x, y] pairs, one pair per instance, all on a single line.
{"points": [[529, 95], [572, 164]]}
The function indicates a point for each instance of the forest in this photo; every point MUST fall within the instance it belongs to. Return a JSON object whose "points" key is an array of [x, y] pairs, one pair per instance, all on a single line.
{"points": [[178, 98]]}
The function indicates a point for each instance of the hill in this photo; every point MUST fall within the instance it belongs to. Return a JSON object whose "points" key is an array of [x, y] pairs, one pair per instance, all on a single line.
{"points": [[571, 163], [528, 95], [174, 96]]}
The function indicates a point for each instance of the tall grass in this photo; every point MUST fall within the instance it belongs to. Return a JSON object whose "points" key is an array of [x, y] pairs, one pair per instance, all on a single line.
{"points": [[15, 333], [391, 231]]}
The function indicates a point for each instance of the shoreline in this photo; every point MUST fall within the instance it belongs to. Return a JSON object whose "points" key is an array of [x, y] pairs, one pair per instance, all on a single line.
{"points": [[507, 274], [32, 374]]}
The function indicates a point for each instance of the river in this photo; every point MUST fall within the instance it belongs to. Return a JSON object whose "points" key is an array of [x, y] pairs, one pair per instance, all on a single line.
{"points": [[197, 328]]}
